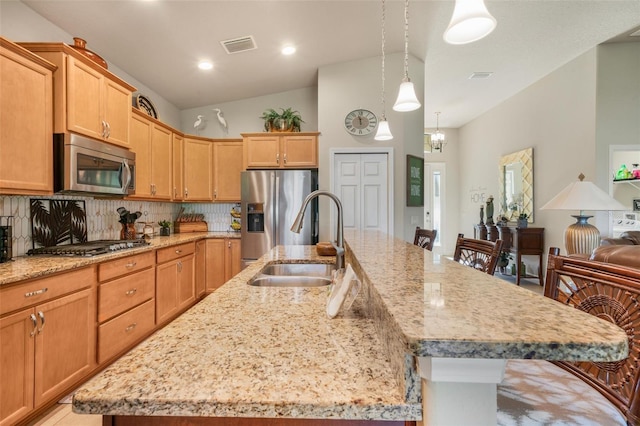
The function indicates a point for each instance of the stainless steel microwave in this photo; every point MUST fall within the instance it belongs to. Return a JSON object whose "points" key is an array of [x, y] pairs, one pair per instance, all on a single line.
{"points": [[85, 165]]}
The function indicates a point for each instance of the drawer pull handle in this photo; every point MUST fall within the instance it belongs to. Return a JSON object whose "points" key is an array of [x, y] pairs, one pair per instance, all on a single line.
{"points": [[41, 315], [34, 320], [178, 251], [130, 328], [37, 292], [131, 292], [131, 265]]}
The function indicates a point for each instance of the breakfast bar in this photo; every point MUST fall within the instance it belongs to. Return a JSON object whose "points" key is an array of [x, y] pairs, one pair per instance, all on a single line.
{"points": [[426, 339]]}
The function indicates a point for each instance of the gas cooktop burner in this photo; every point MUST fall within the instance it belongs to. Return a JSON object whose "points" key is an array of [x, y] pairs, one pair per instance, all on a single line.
{"points": [[90, 248]]}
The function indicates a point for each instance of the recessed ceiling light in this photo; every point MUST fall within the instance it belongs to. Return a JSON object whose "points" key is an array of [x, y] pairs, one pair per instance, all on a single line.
{"points": [[205, 65], [288, 50]]}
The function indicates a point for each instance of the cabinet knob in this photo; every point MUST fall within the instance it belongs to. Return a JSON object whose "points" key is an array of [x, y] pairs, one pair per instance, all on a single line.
{"points": [[285, 158], [131, 292], [130, 265], [277, 158], [186, 192], [108, 129], [130, 327], [215, 194]]}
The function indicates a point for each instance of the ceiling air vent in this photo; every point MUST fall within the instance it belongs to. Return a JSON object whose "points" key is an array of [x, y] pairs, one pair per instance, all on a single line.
{"points": [[480, 75], [240, 44]]}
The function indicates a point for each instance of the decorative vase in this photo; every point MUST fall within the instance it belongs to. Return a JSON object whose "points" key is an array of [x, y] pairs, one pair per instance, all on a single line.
{"points": [[522, 223], [164, 231], [80, 45]]}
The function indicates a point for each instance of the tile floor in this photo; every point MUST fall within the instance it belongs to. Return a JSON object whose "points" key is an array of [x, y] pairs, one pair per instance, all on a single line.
{"points": [[61, 414]]}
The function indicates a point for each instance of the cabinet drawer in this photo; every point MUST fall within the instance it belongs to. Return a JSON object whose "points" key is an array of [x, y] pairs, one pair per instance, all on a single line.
{"points": [[43, 289], [125, 330], [124, 293], [175, 252], [126, 265]]}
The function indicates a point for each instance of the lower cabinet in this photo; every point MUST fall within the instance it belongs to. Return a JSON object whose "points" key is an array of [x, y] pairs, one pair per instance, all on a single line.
{"points": [[48, 335], [175, 280], [223, 261], [201, 268]]}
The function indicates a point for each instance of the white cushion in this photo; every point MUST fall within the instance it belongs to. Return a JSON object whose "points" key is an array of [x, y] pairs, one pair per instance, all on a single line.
{"points": [[536, 392]]}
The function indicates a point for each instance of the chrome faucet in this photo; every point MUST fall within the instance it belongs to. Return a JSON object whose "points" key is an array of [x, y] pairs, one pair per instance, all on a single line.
{"points": [[339, 243]]}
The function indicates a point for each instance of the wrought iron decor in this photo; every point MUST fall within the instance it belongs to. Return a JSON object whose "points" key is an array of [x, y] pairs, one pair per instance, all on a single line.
{"points": [[57, 222]]}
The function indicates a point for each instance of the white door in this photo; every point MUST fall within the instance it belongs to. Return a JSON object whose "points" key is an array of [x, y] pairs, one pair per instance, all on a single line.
{"points": [[434, 205], [361, 182]]}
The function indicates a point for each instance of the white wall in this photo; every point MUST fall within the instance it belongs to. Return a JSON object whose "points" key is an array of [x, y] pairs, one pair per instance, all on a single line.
{"points": [[350, 85], [555, 116], [243, 116], [20, 23]]}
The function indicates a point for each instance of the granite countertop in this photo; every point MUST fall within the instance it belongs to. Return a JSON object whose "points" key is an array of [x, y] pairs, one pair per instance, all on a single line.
{"points": [[248, 351], [272, 352], [27, 267]]}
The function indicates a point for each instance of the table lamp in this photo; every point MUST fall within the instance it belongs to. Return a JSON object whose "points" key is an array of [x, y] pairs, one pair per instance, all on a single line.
{"points": [[582, 237]]}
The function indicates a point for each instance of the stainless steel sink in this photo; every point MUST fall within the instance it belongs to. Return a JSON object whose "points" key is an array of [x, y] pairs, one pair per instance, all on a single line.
{"points": [[294, 275], [299, 269]]}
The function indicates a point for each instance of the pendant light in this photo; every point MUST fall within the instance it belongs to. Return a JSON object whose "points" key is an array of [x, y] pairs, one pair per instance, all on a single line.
{"points": [[437, 139], [407, 99], [383, 133], [470, 22]]}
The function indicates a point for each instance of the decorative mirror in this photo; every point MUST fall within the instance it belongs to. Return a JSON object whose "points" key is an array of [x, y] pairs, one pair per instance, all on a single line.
{"points": [[516, 184]]}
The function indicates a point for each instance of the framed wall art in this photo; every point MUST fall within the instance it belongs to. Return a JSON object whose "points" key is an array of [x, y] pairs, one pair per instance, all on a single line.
{"points": [[415, 181]]}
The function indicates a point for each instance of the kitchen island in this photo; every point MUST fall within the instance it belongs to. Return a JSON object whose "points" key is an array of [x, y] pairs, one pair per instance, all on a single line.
{"points": [[423, 327]]}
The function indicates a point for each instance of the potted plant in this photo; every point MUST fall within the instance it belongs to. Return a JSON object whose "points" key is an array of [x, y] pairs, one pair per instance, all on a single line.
{"points": [[288, 120], [503, 260], [164, 227], [523, 220]]}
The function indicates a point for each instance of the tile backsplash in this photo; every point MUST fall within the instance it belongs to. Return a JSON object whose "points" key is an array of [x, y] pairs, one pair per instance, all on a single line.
{"points": [[103, 219]]}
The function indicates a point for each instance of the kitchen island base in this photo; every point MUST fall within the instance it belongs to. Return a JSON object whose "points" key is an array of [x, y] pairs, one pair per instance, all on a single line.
{"points": [[239, 421]]}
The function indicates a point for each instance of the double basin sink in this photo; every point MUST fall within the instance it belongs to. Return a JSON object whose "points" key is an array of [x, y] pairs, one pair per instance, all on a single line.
{"points": [[294, 275]]}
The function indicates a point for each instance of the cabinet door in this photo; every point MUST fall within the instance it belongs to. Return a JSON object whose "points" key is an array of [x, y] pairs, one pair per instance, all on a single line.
{"points": [[300, 151], [141, 145], [215, 256], [161, 163], [117, 113], [26, 108], [262, 152], [186, 281], [65, 343], [16, 369], [198, 155], [84, 99], [201, 268], [233, 258], [178, 182], [227, 165], [166, 291]]}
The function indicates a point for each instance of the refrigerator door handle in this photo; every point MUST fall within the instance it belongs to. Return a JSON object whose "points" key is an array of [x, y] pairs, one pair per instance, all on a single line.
{"points": [[277, 207]]}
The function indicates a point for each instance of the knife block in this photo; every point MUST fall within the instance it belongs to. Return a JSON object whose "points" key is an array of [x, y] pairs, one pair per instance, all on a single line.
{"points": [[184, 227]]}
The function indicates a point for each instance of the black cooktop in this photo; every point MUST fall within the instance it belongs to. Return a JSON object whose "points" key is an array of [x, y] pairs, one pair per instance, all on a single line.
{"points": [[90, 248]]}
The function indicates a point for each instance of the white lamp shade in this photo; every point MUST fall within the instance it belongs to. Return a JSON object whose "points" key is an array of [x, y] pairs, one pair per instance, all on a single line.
{"points": [[581, 196], [407, 99], [470, 22], [383, 133]]}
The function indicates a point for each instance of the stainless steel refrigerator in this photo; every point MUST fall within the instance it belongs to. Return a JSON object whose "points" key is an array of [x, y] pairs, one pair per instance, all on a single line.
{"points": [[271, 200]]}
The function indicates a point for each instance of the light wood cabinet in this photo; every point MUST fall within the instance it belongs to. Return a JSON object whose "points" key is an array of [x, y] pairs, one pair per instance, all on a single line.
{"points": [[227, 166], [153, 146], [88, 99], [177, 144], [48, 334], [280, 150], [175, 281], [125, 303], [201, 268], [197, 169], [26, 108], [223, 257]]}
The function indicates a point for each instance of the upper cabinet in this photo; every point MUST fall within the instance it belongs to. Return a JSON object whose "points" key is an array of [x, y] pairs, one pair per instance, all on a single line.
{"points": [[197, 173], [26, 108], [152, 143], [177, 143], [281, 150], [227, 166], [89, 99]]}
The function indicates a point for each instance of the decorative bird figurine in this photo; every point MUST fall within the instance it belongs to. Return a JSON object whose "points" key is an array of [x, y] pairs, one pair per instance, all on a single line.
{"points": [[221, 119], [198, 122]]}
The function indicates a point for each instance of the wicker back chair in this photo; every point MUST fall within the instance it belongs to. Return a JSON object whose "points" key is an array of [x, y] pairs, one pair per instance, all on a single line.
{"points": [[425, 238], [479, 254], [611, 292]]}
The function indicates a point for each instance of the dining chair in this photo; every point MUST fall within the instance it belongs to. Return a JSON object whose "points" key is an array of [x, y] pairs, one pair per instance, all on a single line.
{"points": [[479, 254], [425, 238]]}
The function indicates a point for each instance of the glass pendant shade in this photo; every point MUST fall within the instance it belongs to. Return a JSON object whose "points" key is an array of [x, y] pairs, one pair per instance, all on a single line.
{"points": [[407, 99], [470, 22], [383, 133]]}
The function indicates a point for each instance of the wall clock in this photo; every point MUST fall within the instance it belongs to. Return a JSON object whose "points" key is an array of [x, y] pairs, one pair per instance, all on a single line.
{"points": [[360, 122]]}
